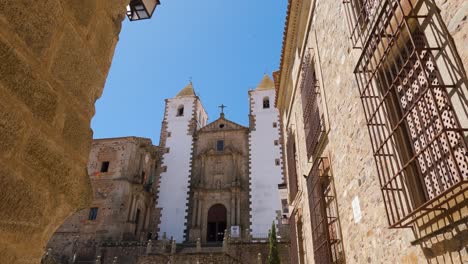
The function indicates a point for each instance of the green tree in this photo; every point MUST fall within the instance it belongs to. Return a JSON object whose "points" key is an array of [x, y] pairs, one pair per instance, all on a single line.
{"points": [[273, 255]]}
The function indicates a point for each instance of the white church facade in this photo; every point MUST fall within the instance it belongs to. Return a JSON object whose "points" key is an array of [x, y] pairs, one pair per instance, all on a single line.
{"points": [[222, 175]]}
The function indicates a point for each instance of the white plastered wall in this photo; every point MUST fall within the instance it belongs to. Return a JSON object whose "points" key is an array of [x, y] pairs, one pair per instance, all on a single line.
{"points": [[174, 187], [265, 174]]}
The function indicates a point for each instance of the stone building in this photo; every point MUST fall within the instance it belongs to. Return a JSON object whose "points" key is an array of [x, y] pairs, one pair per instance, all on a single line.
{"points": [[122, 173], [226, 175], [372, 100], [162, 203]]}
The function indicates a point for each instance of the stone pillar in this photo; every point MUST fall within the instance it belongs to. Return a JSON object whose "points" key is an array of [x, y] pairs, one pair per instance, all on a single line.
{"points": [[55, 57], [259, 258], [233, 209], [200, 204], [164, 242], [98, 260], [238, 209], [198, 245], [149, 247], [173, 246], [195, 210], [225, 245]]}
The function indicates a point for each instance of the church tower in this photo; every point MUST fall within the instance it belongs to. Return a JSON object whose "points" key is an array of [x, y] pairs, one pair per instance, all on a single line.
{"points": [[265, 158], [183, 115]]}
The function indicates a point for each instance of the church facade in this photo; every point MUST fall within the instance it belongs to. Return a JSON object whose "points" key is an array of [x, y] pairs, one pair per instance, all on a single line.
{"points": [[202, 180], [219, 176]]}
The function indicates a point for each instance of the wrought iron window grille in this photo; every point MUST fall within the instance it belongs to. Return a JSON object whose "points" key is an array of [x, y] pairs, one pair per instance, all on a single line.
{"points": [[407, 79], [292, 166], [313, 114], [326, 229], [361, 15]]}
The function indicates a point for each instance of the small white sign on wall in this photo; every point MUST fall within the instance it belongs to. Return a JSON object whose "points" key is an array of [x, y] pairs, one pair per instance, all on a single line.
{"points": [[235, 231], [356, 210]]}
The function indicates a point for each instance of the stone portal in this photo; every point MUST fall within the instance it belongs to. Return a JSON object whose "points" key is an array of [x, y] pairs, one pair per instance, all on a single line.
{"points": [[217, 216]]}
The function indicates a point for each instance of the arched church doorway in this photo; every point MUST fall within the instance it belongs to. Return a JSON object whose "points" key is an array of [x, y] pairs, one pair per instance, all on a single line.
{"points": [[217, 216]]}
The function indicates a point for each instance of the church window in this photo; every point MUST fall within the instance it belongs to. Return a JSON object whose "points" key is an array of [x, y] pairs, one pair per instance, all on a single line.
{"points": [[276, 142], [93, 213], [105, 166], [277, 162], [220, 145], [169, 134], [167, 150], [164, 168], [180, 110], [266, 102], [221, 126], [275, 124]]}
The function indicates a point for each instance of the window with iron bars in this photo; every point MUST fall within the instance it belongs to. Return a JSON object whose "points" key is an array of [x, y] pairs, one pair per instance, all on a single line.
{"points": [[326, 229], [418, 141], [311, 107], [293, 250], [292, 163], [361, 14]]}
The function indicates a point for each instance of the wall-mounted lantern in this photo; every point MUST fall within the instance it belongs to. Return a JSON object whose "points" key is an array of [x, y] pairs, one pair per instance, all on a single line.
{"points": [[141, 9]]}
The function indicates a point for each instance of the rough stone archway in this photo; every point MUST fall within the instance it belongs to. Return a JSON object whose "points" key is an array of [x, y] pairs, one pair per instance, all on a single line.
{"points": [[55, 56]]}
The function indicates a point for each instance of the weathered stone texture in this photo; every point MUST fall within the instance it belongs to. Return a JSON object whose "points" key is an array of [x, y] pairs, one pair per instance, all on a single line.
{"points": [[455, 14], [348, 145], [34, 22], [120, 194], [11, 129], [76, 69], [55, 57], [17, 76]]}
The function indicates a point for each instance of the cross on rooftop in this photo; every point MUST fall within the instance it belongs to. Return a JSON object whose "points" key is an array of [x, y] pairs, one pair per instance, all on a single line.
{"points": [[222, 106]]}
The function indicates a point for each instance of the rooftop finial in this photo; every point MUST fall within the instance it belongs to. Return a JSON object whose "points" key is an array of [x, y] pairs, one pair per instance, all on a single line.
{"points": [[222, 106]]}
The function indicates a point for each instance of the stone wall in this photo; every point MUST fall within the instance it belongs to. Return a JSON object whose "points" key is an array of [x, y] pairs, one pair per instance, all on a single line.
{"points": [[121, 192], [366, 235], [55, 58]]}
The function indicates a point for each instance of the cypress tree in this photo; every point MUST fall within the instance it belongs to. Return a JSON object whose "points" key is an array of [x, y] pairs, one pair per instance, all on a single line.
{"points": [[273, 256]]}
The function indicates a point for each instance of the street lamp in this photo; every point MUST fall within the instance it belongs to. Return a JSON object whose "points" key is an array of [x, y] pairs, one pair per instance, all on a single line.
{"points": [[141, 9]]}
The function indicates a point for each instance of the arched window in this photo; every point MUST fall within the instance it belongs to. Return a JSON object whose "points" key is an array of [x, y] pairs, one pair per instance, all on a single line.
{"points": [[180, 110], [266, 102]]}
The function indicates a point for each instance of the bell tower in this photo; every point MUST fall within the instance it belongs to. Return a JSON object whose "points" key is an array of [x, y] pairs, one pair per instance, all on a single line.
{"points": [[265, 158], [183, 115]]}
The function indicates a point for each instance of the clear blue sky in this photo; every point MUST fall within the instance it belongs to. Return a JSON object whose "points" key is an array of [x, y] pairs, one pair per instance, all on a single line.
{"points": [[224, 46]]}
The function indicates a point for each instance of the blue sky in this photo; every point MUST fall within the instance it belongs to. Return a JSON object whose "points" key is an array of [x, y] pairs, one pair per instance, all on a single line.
{"points": [[224, 46]]}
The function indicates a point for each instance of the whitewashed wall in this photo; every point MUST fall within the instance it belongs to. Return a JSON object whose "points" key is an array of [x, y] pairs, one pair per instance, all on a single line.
{"points": [[265, 175], [174, 187]]}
